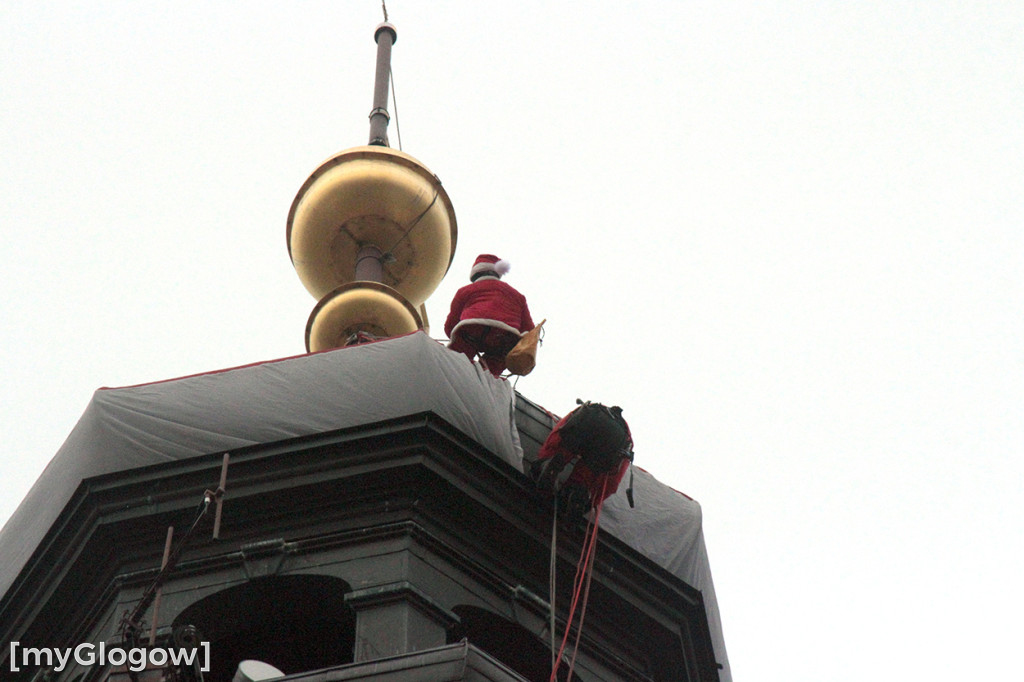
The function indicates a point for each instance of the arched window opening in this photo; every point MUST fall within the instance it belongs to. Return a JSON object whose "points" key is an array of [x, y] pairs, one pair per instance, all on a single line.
{"points": [[294, 623], [509, 642]]}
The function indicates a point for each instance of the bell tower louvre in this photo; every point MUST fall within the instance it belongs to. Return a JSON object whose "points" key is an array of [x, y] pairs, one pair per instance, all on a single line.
{"points": [[363, 511]]}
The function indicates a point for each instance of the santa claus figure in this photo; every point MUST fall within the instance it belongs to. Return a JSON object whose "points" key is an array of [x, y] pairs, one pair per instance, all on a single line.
{"points": [[487, 316]]}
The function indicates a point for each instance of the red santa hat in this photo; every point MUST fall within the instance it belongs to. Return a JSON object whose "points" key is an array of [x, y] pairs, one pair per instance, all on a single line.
{"points": [[486, 262]]}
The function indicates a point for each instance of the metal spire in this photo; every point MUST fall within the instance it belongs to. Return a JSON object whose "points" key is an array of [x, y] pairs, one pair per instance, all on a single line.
{"points": [[385, 35]]}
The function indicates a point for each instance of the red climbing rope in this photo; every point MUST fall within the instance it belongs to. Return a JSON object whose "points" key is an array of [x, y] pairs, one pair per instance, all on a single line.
{"points": [[581, 586]]}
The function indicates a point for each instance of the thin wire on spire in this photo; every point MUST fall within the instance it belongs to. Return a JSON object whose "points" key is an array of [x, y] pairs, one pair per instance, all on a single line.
{"points": [[384, 6], [394, 101]]}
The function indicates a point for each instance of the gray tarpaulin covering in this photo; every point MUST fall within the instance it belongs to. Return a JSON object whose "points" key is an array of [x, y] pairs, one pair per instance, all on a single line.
{"points": [[665, 526], [125, 428]]}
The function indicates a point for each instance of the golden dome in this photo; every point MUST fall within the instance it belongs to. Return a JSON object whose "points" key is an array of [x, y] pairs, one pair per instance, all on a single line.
{"points": [[367, 307], [372, 196]]}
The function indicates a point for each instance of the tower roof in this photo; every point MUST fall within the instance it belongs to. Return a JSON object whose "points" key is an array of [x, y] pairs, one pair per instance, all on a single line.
{"points": [[134, 427]]}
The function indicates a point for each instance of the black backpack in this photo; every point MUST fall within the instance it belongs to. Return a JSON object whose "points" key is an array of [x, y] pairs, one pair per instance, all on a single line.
{"points": [[598, 435]]}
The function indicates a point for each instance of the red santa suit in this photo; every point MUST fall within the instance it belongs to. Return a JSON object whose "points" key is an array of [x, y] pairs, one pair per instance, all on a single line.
{"points": [[487, 317]]}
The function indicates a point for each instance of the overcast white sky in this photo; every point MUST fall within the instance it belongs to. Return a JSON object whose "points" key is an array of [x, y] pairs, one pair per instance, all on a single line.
{"points": [[784, 236]]}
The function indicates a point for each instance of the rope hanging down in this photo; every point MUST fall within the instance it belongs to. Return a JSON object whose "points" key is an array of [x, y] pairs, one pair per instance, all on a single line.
{"points": [[552, 582], [581, 588]]}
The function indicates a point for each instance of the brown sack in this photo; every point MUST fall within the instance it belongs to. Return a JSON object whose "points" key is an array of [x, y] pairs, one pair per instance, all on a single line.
{"points": [[523, 358]]}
